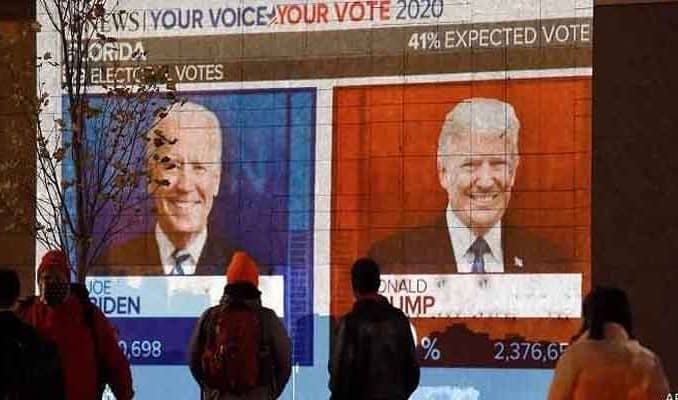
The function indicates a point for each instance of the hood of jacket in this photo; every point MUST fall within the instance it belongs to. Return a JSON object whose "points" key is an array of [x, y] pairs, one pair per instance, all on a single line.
{"points": [[241, 291]]}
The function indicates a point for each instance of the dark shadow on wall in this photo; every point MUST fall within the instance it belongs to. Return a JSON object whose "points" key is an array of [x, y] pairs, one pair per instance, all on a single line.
{"points": [[635, 166], [17, 154]]}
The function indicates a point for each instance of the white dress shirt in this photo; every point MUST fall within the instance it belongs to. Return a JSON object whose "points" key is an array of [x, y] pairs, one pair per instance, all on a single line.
{"points": [[166, 248], [462, 238]]}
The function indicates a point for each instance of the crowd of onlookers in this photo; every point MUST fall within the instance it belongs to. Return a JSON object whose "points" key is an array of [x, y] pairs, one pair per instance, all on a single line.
{"points": [[58, 345]]}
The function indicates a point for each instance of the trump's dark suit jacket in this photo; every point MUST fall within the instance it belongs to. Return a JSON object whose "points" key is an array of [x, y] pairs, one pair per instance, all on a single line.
{"points": [[428, 250], [141, 256]]}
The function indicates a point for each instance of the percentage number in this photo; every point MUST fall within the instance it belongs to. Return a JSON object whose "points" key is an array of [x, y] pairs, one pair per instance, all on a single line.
{"points": [[424, 41], [432, 351]]}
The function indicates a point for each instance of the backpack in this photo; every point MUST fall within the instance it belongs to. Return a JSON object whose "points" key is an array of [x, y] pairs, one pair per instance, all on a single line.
{"points": [[231, 359]]}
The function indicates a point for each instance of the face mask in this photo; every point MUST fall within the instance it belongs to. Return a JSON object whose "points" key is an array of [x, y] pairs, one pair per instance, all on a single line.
{"points": [[55, 293]]}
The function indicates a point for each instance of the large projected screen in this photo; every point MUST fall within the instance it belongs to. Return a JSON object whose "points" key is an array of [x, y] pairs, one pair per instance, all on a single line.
{"points": [[448, 140], [414, 192]]}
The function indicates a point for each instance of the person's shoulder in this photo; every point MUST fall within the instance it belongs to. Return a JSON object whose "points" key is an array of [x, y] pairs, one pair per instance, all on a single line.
{"points": [[578, 355], [208, 317], [647, 356], [211, 311], [585, 350], [348, 323], [582, 345], [269, 314], [96, 314], [395, 312]]}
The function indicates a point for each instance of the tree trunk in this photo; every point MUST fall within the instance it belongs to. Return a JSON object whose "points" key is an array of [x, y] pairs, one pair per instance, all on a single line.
{"points": [[82, 235]]}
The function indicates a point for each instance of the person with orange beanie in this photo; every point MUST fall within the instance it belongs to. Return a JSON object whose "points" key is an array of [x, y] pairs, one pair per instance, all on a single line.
{"points": [[606, 362], [86, 342], [240, 349]]}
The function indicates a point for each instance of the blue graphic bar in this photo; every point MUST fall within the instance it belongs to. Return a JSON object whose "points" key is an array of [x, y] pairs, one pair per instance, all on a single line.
{"points": [[155, 341]]}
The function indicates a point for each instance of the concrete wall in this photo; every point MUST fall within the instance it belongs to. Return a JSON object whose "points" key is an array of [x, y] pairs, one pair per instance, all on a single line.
{"points": [[17, 47], [635, 215], [635, 127]]}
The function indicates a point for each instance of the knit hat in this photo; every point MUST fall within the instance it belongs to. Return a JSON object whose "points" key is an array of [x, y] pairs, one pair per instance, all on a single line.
{"points": [[243, 269], [55, 259]]}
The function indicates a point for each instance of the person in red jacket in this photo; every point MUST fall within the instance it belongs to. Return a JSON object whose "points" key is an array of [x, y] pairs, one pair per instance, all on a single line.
{"points": [[86, 341]]}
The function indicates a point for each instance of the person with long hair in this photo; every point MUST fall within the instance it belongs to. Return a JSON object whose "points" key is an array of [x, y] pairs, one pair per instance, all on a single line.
{"points": [[606, 361]]}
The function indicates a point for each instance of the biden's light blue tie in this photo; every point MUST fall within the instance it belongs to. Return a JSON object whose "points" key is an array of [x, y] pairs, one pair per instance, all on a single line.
{"points": [[479, 248], [180, 257]]}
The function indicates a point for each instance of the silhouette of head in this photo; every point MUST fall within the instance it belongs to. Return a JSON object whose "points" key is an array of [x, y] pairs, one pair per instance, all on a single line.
{"points": [[365, 276], [9, 288], [606, 304]]}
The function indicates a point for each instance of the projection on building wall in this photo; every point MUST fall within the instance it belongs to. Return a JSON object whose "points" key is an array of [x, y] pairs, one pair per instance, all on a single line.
{"points": [[448, 140]]}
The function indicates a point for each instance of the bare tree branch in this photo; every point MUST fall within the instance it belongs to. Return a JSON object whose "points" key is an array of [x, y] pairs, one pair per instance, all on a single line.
{"points": [[91, 165]]}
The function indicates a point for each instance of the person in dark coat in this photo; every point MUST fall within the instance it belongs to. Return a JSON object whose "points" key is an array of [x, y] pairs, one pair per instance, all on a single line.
{"points": [[373, 356], [275, 367], [30, 368]]}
